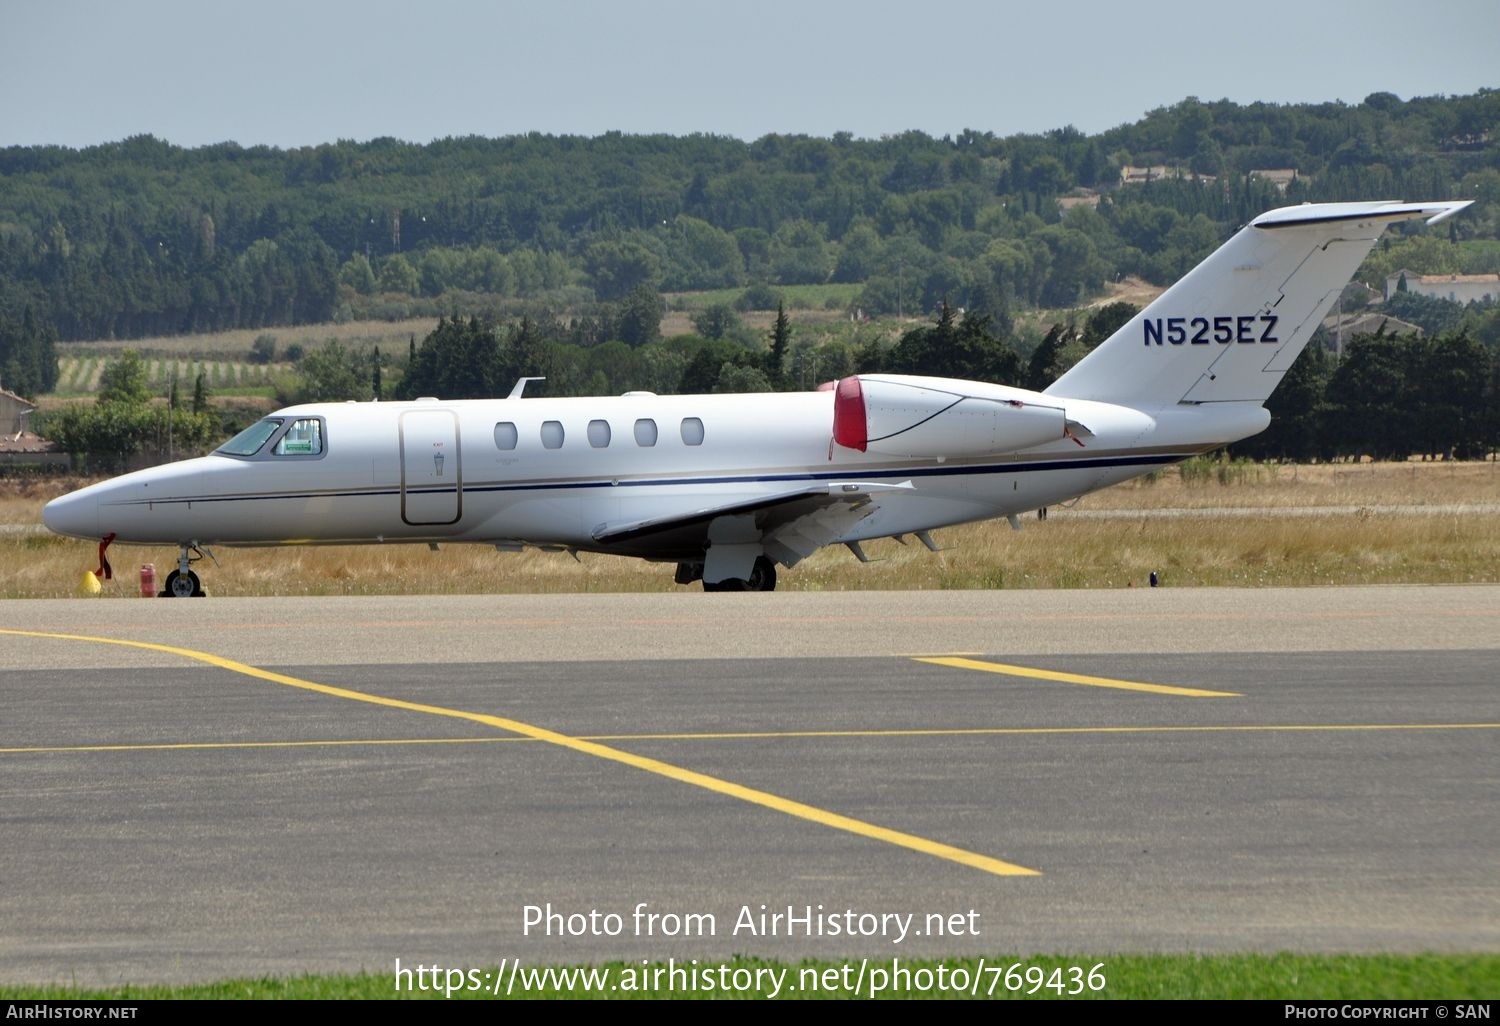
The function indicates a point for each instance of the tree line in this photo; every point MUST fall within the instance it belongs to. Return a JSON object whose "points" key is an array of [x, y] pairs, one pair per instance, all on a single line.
{"points": [[28, 355], [1388, 397], [141, 237]]}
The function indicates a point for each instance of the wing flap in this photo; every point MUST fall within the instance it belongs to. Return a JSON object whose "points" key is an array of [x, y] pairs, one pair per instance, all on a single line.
{"points": [[791, 525]]}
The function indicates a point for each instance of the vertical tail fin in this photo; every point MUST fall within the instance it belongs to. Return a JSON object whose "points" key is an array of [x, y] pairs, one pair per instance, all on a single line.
{"points": [[1230, 328]]}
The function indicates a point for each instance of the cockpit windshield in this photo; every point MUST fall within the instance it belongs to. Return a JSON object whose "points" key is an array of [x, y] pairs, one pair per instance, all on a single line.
{"points": [[249, 441], [297, 437], [303, 438]]}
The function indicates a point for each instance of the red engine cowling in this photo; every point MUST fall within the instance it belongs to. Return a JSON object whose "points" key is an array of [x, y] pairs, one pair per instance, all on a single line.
{"points": [[938, 417]]}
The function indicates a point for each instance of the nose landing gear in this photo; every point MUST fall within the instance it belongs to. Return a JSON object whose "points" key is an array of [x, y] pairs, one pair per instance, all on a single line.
{"points": [[183, 582]]}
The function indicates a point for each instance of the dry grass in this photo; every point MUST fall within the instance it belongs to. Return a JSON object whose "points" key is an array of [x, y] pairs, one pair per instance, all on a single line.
{"points": [[391, 336], [84, 360], [1414, 483], [760, 322], [1366, 545]]}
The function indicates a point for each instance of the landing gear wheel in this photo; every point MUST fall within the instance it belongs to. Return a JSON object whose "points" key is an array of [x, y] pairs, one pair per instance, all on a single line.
{"points": [[762, 578], [182, 585]]}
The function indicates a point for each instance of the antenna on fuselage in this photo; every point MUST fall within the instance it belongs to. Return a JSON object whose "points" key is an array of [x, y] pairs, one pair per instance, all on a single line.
{"points": [[515, 393]]}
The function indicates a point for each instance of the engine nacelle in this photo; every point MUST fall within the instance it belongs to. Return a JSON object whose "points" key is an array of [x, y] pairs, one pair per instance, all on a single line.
{"points": [[900, 415]]}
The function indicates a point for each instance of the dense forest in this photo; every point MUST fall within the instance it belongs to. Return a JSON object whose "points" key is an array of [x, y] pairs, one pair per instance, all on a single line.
{"points": [[561, 248], [144, 238]]}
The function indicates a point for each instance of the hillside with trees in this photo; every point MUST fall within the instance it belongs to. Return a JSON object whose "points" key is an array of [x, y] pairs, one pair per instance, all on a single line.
{"points": [[141, 237], [552, 254]]}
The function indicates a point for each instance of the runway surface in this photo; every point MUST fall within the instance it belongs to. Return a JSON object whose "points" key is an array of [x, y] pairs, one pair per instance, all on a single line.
{"points": [[332, 784]]}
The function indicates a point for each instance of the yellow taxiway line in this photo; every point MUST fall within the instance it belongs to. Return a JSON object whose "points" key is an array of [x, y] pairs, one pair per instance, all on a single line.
{"points": [[771, 735], [1072, 678], [764, 799]]}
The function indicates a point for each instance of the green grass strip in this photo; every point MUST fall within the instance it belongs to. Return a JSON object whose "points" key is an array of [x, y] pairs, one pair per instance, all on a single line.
{"points": [[1455, 977]]}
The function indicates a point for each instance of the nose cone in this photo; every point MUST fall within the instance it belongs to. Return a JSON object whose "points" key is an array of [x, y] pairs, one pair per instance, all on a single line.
{"points": [[75, 514]]}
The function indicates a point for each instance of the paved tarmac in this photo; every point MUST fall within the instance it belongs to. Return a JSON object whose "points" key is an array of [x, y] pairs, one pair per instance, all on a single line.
{"points": [[334, 784]]}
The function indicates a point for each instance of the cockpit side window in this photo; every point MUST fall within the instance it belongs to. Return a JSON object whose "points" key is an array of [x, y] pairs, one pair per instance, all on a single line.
{"points": [[249, 441], [303, 438]]}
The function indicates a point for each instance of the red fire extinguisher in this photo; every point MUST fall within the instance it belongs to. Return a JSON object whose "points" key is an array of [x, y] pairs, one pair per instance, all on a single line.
{"points": [[148, 580]]}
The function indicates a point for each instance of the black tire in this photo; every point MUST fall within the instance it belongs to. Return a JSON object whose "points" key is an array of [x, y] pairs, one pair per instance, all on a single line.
{"points": [[180, 585], [762, 578]]}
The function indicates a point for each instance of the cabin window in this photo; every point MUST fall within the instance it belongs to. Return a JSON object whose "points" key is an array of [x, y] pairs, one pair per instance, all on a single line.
{"points": [[645, 432], [303, 438], [249, 441], [552, 434], [506, 435], [692, 431], [599, 433]]}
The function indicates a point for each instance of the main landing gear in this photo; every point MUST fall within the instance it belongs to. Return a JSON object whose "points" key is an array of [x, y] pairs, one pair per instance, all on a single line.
{"points": [[183, 582], [762, 578]]}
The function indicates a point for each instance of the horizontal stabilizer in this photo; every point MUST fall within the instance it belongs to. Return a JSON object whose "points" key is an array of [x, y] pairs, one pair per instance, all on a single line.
{"points": [[1328, 213]]}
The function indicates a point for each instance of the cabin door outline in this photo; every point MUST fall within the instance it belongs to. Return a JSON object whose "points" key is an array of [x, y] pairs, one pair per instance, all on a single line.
{"points": [[431, 468]]}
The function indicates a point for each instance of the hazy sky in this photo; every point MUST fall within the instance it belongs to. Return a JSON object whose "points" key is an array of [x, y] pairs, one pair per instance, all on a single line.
{"points": [[299, 72]]}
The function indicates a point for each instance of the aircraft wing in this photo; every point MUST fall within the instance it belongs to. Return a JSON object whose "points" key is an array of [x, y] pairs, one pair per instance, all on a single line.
{"points": [[791, 525]]}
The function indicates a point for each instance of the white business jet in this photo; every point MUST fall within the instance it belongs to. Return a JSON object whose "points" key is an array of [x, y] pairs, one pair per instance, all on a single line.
{"points": [[728, 487]]}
